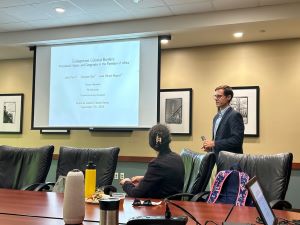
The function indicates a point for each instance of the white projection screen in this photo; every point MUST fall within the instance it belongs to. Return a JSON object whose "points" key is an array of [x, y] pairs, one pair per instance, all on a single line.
{"points": [[110, 85]]}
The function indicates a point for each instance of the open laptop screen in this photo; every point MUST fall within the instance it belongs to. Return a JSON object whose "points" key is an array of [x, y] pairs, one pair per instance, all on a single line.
{"points": [[261, 203]]}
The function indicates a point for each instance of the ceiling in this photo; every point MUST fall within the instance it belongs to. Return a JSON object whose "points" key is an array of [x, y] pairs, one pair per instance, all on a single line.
{"points": [[190, 22]]}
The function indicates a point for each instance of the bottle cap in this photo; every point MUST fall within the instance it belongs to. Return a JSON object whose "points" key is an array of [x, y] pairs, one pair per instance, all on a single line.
{"points": [[91, 165]]}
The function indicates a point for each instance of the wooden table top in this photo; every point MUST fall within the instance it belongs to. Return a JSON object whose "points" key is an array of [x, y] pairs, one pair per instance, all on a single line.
{"points": [[44, 204], [26, 220], [48, 204], [32, 208], [249, 214]]}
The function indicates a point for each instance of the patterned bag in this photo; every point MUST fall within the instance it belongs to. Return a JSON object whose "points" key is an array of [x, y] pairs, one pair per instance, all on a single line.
{"points": [[229, 187]]}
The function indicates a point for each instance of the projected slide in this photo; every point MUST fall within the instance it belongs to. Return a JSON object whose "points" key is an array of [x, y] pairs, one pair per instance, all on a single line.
{"points": [[93, 84]]}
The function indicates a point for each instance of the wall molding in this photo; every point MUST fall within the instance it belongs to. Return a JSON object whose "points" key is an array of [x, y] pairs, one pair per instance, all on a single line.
{"points": [[135, 159], [125, 158], [295, 166]]}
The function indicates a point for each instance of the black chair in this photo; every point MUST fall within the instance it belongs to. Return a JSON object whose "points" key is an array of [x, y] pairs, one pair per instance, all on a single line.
{"points": [[22, 167], [77, 158], [198, 169], [272, 171]]}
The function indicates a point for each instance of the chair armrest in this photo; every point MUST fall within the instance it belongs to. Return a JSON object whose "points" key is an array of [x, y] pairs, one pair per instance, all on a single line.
{"points": [[280, 204], [179, 196], [200, 197], [30, 187], [39, 187], [45, 186]]}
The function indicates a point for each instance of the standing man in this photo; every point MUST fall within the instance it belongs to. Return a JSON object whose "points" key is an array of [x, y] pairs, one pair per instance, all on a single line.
{"points": [[228, 125]]}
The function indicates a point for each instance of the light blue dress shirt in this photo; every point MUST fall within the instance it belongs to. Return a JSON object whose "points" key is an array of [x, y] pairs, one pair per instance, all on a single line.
{"points": [[218, 120]]}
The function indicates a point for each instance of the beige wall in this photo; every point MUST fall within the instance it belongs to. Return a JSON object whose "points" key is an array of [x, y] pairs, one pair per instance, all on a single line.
{"points": [[272, 65]]}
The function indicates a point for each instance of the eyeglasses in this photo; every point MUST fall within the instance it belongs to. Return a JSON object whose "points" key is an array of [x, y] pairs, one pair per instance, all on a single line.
{"points": [[218, 96], [138, 202]]}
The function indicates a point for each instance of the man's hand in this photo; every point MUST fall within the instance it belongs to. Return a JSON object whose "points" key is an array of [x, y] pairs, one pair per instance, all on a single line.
{"points": [[208, 145], [124, 180]]}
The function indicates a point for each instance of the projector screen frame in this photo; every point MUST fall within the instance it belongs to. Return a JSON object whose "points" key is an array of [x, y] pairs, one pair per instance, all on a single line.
{"points": [[96, 128]]}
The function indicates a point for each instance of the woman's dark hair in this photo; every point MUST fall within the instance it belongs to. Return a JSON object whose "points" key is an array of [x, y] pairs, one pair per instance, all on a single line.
{"points": [[159, 137]]}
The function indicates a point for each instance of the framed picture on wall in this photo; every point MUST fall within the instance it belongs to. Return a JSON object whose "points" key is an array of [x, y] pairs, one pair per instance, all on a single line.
{"points": [[11, 113], [176, 110], [246, 101]]}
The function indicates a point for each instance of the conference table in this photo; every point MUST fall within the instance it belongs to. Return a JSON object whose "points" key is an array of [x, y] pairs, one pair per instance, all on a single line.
{"points": [[250, 214], [36, 208]]}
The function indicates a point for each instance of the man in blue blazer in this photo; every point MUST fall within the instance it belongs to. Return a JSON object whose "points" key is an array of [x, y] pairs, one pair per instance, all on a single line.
{"points": [[228, 125]]}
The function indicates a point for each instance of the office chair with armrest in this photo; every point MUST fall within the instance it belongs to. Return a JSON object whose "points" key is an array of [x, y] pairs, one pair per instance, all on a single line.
{"points": [[77, 158], [21, 168], [198, 169], [272, 171], [187, 157]]}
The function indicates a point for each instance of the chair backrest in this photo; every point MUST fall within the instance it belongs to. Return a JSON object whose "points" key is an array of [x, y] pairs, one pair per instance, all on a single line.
{"points": [[198, 169], [77, 158], [204, 164], [20, 167], [272, 171], [188, 162]]}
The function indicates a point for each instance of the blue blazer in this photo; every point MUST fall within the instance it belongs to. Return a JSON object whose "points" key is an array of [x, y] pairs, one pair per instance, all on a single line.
{"points": [[230, 133]]}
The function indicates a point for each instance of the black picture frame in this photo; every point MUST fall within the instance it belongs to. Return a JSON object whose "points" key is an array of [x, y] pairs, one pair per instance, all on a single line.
{"points": [[176, 110], [11, 113], [246, 101]]}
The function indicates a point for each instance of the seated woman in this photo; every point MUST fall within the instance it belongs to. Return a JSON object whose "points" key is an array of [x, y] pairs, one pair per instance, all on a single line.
{"points": [[165, 174]]}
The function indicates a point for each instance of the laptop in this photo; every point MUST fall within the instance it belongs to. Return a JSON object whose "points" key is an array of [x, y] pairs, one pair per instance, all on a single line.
{"points": [[262, 205]]}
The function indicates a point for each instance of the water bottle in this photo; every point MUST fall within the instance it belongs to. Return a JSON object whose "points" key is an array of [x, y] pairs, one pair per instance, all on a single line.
{"points": [[109, 211], [74, 204], [90, 179]]}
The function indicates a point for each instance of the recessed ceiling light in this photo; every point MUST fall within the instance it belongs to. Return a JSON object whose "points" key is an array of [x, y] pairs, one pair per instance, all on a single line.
{"points": [[60, 10], [164, 39], [238, 34], [136, 1]]}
